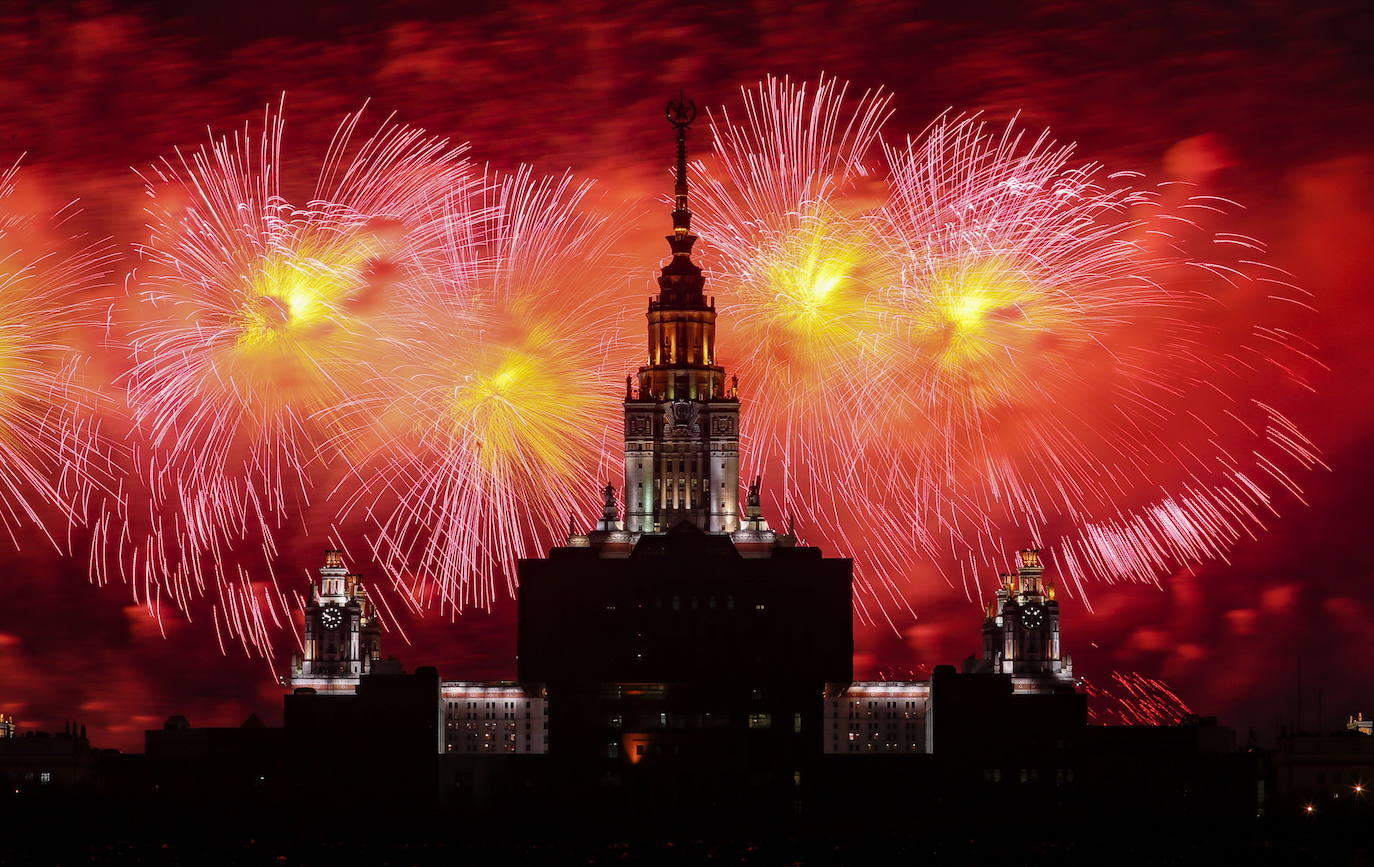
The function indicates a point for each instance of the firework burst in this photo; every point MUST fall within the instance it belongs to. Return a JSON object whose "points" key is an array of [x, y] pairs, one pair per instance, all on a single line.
{"points": [[254, 316], [53, 455], [1069, 379], [485, 438], [969, 340], [781, 206]]}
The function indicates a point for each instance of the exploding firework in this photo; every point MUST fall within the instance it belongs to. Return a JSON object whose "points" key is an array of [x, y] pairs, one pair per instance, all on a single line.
{"points": [[486, 437], [1070, 380], [53, 456], [947, 348], [781, 207], [255, 316], [969, 340]]}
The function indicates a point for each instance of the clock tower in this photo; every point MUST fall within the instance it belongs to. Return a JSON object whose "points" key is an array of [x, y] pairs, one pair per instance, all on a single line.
{"points": [[1021, 631], [342, 637]]}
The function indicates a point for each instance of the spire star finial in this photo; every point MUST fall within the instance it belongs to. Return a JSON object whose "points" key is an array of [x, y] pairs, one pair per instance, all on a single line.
{"points": [[680, 113]]}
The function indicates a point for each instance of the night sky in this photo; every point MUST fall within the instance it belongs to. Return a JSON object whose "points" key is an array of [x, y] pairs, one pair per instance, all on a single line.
{"points": [[1265, 103]]}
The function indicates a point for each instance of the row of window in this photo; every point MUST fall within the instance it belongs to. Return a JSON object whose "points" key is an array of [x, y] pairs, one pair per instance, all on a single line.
{"points": [[1026, 775], [472, 725], [695, 603], [678, 721]]}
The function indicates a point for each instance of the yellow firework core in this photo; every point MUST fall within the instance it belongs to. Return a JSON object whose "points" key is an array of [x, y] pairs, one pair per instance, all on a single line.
{"points": [[817, 277], [973, 311], [289, 296], [517, 409]]}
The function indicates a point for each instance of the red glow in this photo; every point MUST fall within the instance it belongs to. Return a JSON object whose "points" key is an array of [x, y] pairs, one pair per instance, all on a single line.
{"points": [[1270, 115]]}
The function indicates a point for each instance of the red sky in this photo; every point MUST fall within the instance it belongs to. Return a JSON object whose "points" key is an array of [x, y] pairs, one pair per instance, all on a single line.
{"points": [[1266, 102]]}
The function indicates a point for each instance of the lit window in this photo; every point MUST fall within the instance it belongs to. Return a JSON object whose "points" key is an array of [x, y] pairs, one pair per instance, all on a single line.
{"points": [[760, 720], [45, 777], [796, 722]]}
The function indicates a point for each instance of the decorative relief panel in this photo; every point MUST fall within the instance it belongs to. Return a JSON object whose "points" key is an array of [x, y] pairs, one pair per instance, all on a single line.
{"points": [[639, 426], [723, 425], [681, 419]]}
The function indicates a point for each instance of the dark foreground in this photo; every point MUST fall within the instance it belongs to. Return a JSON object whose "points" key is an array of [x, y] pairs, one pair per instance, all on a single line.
{"points": [[326, 831]]}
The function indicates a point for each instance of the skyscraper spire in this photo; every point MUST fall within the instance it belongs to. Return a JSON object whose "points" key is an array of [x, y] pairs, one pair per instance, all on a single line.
{"points": [[681, 112], [681, 422]]}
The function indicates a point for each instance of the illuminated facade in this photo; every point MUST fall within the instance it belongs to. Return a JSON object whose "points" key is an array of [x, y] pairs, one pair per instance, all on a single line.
{"points": [[876, 717], [342, 640], [1021, 641], [7, 726], [493, 718], [1021, 631], [342, 644]]}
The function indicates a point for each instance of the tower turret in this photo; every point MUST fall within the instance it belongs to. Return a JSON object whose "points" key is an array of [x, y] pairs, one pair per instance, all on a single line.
{"points": [[332, 576], [1021, 631], [342, 636]]}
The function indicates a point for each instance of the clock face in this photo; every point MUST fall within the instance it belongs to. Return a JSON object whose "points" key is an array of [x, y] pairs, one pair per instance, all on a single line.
{"points": [[1033, 615], [331, 617]]}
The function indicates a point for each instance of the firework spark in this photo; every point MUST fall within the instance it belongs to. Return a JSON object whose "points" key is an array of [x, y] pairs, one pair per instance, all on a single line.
{"points": [[490, 432], [1136, 700], [254, 316], [969, 340], [53, 455], [780, 209], [948, 348], [1067, 381]]}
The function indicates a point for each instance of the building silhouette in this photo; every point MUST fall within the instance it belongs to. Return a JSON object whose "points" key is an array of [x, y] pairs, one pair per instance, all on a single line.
{"points": [[689, 643]]}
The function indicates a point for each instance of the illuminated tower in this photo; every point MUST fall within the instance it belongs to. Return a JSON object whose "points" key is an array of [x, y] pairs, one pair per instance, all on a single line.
{"points": [[688, 647], [342, 636], [681, 420], [1021, 632]]}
